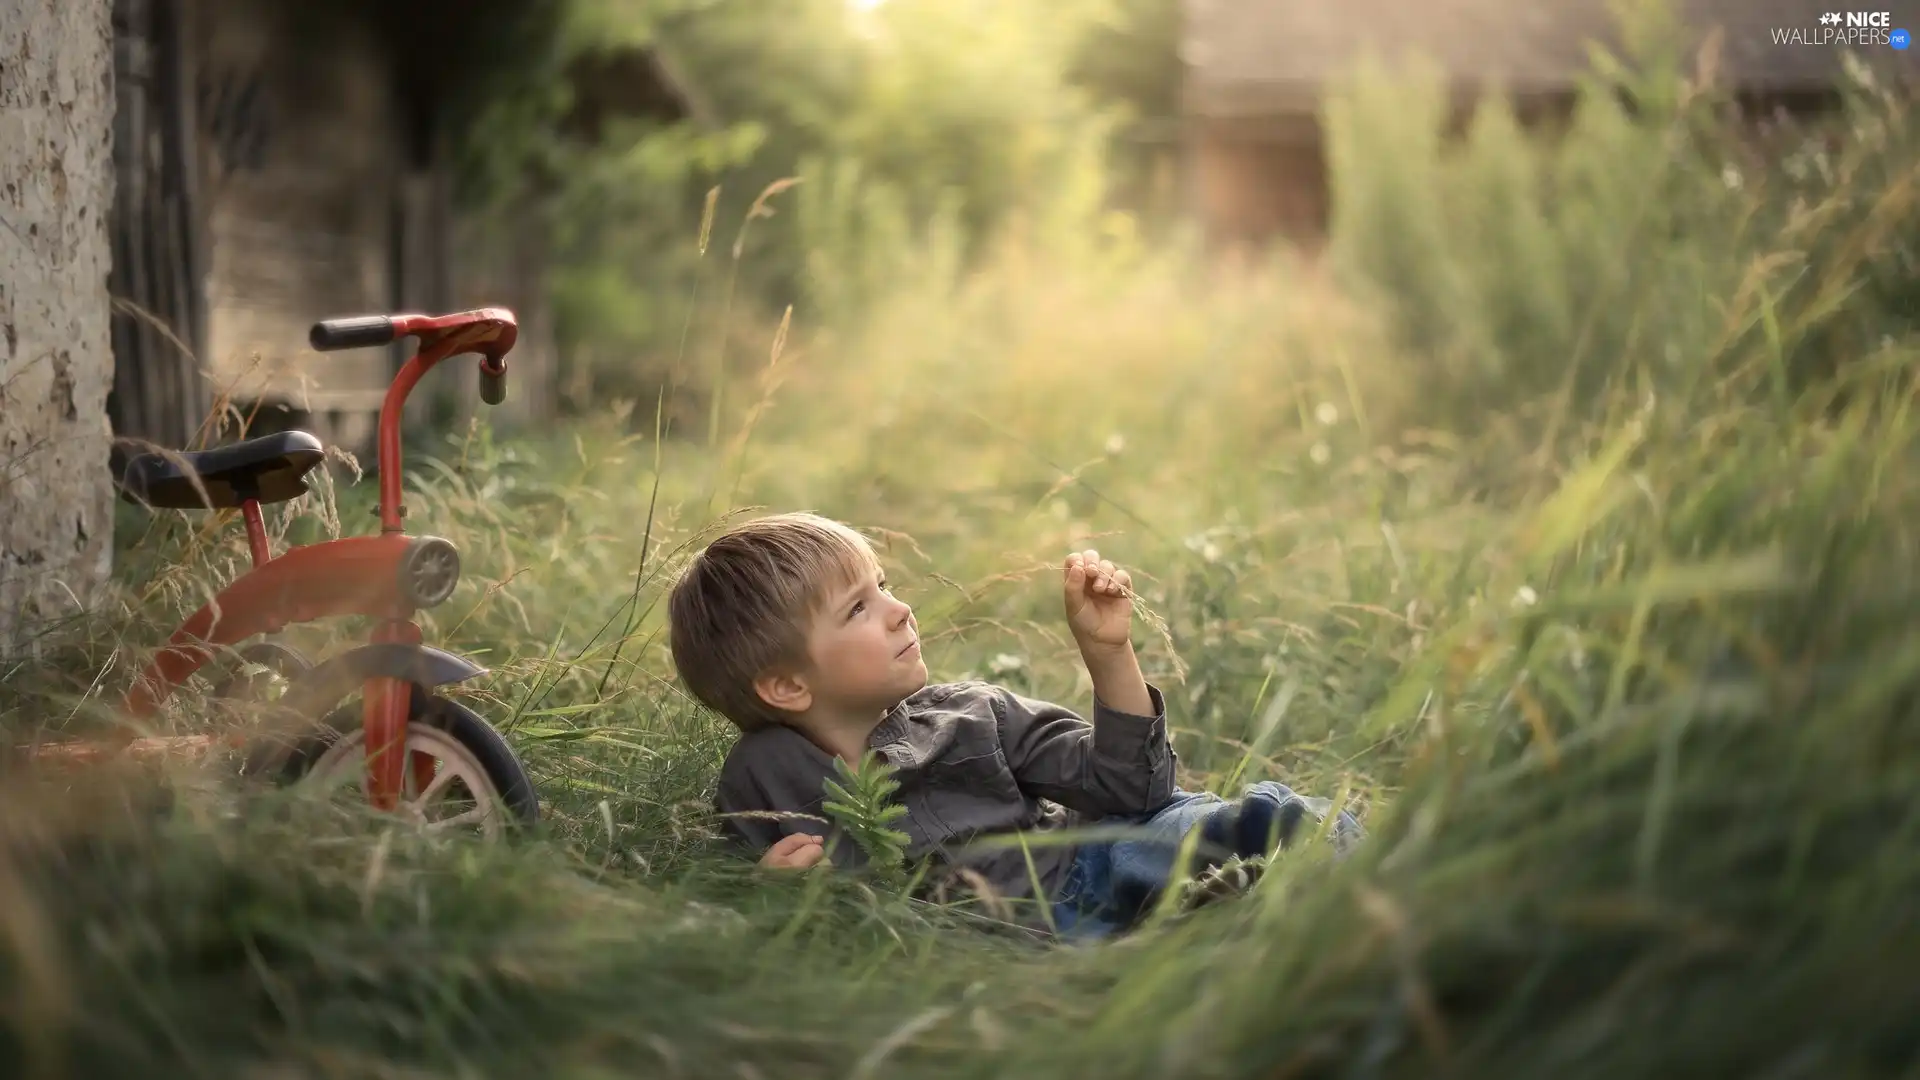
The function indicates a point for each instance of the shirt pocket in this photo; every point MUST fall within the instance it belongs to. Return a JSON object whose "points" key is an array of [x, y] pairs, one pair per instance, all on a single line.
{"points": [[976, 770], [974, 791]]}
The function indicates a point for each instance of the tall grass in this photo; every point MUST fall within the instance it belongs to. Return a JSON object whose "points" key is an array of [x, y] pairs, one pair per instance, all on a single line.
{"points": [[1582, 564]]}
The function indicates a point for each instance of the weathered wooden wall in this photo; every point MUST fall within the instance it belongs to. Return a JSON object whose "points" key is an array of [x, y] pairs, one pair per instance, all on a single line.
{"points": [[159, 247], [327, 198], [1252, 182], [56, 363], [281, 164], [306, 154]]}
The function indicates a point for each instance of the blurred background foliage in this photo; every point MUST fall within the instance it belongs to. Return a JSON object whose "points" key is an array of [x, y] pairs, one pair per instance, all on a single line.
{"points": [[904, 125]]}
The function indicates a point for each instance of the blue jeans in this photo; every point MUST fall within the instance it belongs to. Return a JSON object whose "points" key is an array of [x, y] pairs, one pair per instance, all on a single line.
{"points": [[1112, 882]]}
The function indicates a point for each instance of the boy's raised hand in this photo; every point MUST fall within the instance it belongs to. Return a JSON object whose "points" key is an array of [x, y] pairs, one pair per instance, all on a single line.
{"points": [[795, 851], [1099, 597]]}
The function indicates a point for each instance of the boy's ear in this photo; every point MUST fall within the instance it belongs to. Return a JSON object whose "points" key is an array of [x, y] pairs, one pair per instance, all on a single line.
{"points": [[784, 690]]}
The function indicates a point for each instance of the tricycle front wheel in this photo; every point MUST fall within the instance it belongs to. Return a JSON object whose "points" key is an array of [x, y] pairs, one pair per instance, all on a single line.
{"points": [[461, 774]]}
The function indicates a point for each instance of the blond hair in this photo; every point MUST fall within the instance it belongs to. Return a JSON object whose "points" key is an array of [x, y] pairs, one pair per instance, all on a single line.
{"points": [[741, 607]]}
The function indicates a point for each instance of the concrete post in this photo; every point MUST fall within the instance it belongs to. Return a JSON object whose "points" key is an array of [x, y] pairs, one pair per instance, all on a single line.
{"points": [[56, 357]]}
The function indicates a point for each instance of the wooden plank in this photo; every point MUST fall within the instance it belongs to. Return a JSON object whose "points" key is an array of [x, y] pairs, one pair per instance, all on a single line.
{"points": [[159, 395], [89, 753], [133, 63], [175, 367], [184, 139], [186, 403]]}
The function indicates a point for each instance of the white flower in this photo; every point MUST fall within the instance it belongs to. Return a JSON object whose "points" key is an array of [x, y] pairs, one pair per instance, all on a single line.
{"points": [[1210, 551], [1003, 663], [704, 918], [1327, 413], [1116, 442], [1730, 176], [1525, 597], [1321, 453]]}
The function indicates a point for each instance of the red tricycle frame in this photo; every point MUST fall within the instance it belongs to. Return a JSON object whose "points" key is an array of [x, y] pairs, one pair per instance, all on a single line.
{"points": [[359, 575]]}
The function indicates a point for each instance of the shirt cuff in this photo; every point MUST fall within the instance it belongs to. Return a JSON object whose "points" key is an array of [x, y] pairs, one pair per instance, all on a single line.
{"points": [[1122, 736]]}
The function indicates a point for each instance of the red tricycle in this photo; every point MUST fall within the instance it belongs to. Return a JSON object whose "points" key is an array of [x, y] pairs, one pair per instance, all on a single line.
{"points": [[410, 749]]}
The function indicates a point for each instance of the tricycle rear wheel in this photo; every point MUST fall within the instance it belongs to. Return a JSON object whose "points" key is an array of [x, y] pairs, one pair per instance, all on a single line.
{"points": [[471, 762]]}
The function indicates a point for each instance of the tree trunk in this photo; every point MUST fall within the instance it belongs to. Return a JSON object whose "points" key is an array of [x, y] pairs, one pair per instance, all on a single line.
{"points": [[56, 360]]}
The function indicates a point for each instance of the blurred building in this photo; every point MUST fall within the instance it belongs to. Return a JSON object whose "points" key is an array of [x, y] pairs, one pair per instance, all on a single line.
{"points": [[279, 162], [1255, 71]]}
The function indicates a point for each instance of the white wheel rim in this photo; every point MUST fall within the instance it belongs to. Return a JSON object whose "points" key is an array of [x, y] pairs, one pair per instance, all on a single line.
{"points": [[455, 768]]}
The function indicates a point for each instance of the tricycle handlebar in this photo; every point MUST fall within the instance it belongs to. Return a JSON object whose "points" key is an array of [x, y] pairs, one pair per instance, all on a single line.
{"points": [[487, 331], [353, 332], [491, 332], [493, 381]]}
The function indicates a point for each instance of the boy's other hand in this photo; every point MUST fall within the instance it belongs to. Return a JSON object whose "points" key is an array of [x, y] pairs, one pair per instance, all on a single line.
{"points": [[796, 851], [1099, 598]]}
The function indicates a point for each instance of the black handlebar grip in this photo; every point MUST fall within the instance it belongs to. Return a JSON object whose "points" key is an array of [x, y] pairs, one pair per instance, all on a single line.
{"points": [[493, 383], [356, 332]]}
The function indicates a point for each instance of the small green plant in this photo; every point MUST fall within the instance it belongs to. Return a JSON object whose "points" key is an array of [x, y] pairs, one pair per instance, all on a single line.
{"points": [[863, 808]]}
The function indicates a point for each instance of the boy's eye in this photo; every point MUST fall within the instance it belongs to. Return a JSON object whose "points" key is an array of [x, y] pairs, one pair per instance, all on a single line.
{"points": [[861, 605]]}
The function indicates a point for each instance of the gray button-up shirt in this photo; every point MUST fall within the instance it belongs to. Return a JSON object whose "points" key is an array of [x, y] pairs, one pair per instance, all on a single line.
{"points": [[972, 760]]}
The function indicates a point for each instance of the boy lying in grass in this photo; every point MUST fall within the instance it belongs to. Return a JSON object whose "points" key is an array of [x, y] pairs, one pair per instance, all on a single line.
{"points": [[785, 626]]}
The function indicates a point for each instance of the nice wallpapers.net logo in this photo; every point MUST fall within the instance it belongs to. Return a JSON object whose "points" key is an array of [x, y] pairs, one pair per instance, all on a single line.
{"points": [[1849, 28]]}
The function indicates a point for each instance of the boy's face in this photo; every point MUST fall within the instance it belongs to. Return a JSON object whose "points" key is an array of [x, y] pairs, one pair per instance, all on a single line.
{"points": [[864, 647]]}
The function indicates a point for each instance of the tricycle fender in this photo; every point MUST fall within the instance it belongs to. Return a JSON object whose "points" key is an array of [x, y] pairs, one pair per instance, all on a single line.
{"points": [[313, 693]]}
